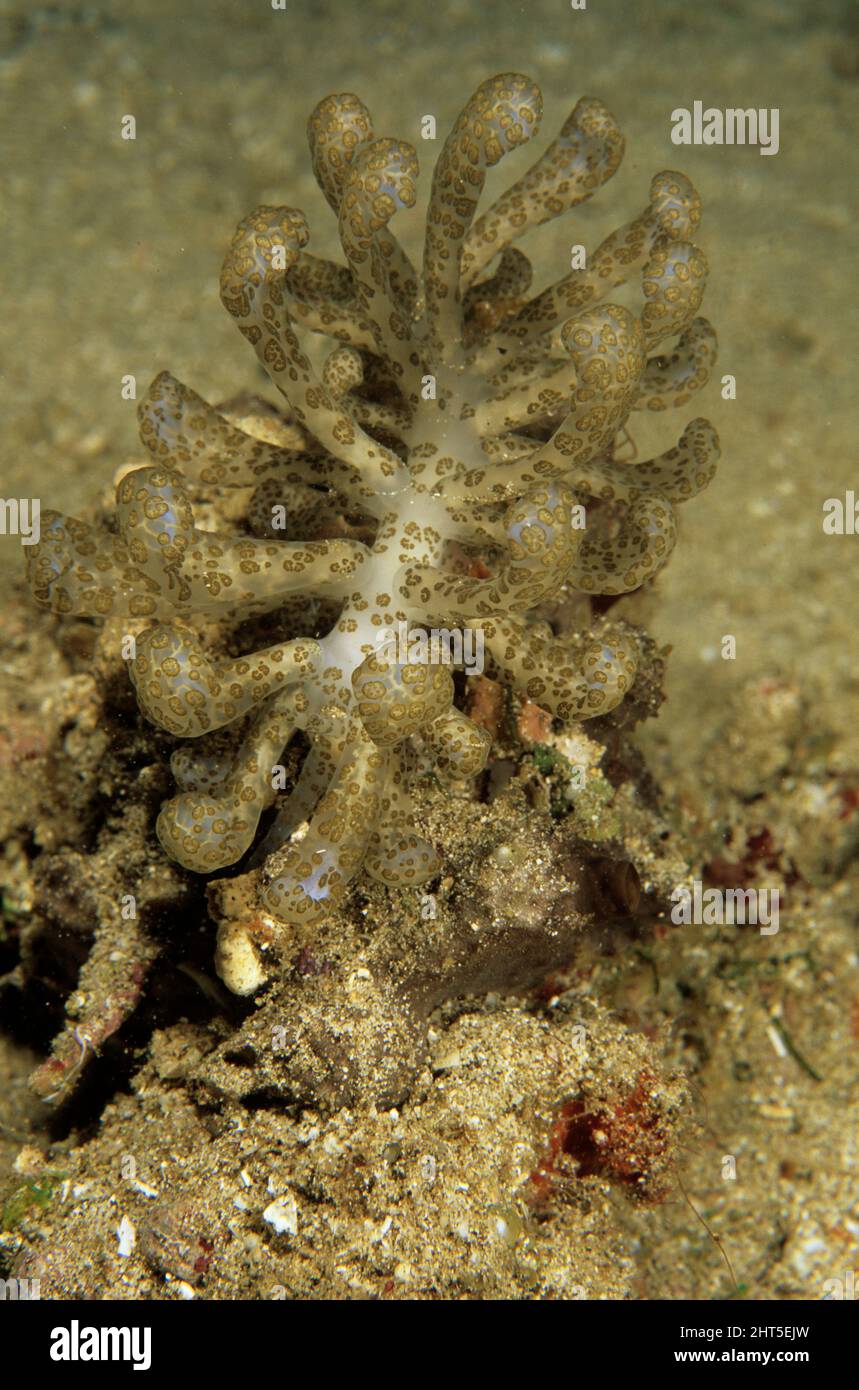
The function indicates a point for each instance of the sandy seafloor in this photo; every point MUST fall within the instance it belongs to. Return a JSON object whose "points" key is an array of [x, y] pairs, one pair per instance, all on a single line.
{"points": [[112, 250]]}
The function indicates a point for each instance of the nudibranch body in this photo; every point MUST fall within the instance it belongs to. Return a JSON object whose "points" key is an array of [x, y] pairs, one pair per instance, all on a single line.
{"points": [[452, 410]]}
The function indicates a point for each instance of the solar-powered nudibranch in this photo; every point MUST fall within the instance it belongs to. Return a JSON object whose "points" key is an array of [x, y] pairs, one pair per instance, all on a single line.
{"points": [[454, 411]]}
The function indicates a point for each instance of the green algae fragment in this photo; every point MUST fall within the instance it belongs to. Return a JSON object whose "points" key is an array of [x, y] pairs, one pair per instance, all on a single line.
{"points": [[33, 1192], [588, 804]]}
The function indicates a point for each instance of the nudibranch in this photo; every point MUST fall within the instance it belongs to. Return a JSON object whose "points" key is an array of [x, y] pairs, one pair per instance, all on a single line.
{"points": [[454, 411]]}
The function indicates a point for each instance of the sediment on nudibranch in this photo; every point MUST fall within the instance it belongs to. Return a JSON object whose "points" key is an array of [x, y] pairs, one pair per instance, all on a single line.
{"points": [[451, 408]]}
